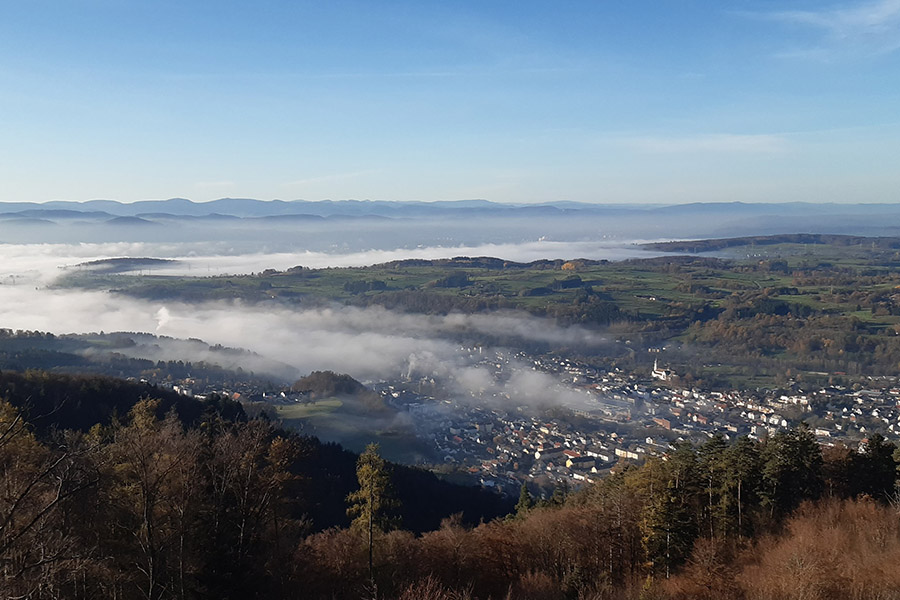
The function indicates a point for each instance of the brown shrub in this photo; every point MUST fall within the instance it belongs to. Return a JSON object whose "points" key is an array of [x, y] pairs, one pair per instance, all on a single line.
{"points": [[709, 574], [431, 589], [535, 585], [332, 564], [841, 550]]}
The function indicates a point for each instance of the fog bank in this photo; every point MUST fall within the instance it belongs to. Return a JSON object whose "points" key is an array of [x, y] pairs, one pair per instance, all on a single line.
{"points": [[370, 344], [41, 264]]}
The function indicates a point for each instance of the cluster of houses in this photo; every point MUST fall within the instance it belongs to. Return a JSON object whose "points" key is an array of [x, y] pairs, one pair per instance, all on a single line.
{"points": [[609, 417], [620, 417]]}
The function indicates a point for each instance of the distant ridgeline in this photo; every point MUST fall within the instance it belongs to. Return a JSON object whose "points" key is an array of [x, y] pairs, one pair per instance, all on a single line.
{"points": [[698, 246], [487, 262], [118, 354], [124, 264]]}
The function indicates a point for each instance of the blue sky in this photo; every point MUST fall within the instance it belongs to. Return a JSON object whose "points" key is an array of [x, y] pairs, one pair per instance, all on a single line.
{"points": [[513, 101]]}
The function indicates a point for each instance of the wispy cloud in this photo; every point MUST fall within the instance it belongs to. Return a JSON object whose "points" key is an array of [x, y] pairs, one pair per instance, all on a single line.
{"points": [[868, 28], [711, 143]]}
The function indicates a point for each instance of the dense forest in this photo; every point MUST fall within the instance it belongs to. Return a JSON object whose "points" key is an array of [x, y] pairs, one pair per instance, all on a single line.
{"points": [[111, 483], [163, 497]]}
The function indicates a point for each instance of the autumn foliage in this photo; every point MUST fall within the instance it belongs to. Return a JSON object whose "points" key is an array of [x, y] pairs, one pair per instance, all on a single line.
{"points": [[148, 506]]}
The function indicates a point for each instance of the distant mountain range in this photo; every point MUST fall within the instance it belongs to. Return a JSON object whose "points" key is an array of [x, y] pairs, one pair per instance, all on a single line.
{"points": [[364, 224], [226, 208]]}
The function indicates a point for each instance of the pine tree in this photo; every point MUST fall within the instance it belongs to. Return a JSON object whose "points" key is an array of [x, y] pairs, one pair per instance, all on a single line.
{"points": [[792, 470], [370, 503], [740, 491], [712, 472], [560, 493], [875, 469], [525, 502], [668, 530]]}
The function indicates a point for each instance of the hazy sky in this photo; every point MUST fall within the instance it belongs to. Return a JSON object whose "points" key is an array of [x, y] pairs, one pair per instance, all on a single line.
{"points": [[516, 101]]}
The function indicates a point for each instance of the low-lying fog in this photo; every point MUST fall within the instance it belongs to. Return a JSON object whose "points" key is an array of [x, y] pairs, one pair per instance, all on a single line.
{"points": [[40, 264], [39, 245], [367, 343], [371, 344]]}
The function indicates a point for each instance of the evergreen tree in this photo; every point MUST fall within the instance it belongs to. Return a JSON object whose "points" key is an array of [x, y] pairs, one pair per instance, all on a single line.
{"points": [[792, 470], [740, 491], [370, 503], [560, 493], [875, 471], [712, 470], [668, 529], [525, 502], [682, 468], [670, 519]]}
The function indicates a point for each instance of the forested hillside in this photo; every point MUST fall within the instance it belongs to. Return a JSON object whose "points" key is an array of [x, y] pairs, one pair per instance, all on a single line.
{"points": [[116, 355], [115, 489], [167, 499]]}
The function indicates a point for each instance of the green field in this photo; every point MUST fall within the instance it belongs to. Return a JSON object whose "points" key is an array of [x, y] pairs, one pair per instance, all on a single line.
{"points": [[788, 304], [308, 410], [329, 421]]}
